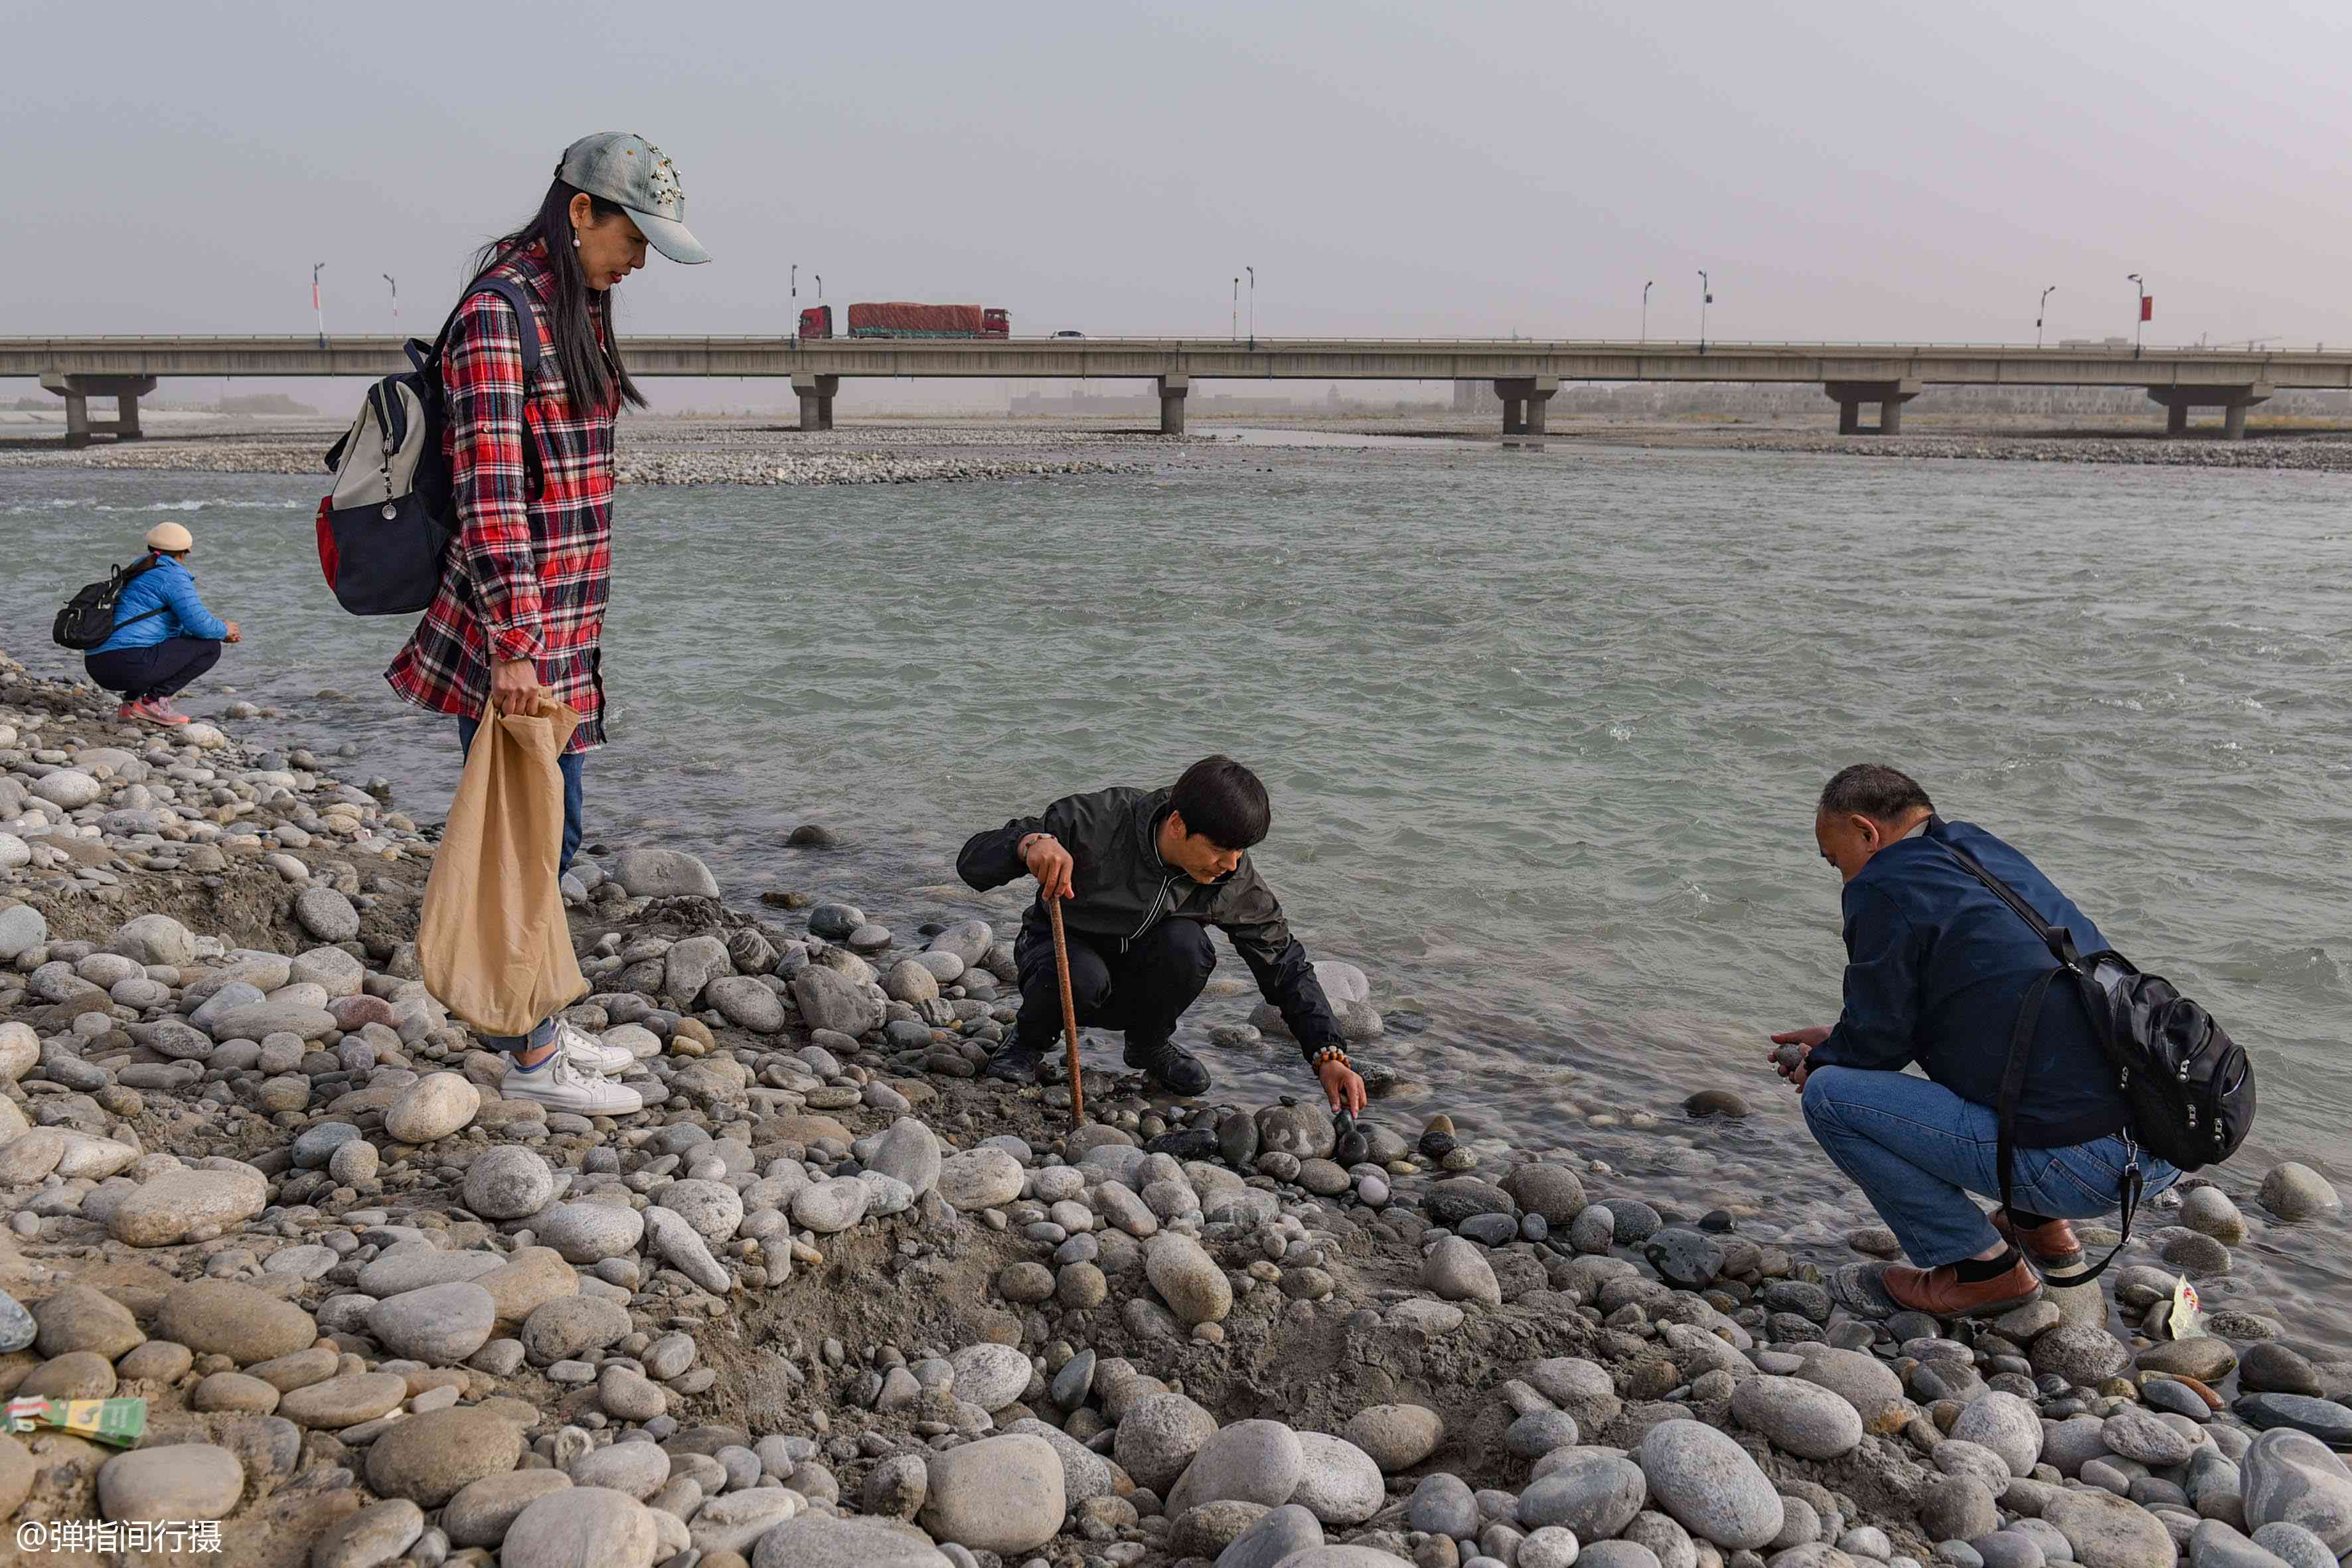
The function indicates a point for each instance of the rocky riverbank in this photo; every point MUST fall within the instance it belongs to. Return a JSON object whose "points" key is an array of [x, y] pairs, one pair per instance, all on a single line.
{"points": [[690, 452], [831, 1300], [2327, 455]]}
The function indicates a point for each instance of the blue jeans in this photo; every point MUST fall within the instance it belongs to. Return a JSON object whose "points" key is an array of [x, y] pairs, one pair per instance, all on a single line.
{"points": [[1917, 1151], [515, 1045]]}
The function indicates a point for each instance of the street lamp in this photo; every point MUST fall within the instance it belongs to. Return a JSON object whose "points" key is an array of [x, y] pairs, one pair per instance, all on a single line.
{"points": [[1253, 278], [820, 286], [388, 278], [317, 268], [2040, 311], [1645, 307], [795, 306], [1706, 298], [1237, 305], [2140, 325]]}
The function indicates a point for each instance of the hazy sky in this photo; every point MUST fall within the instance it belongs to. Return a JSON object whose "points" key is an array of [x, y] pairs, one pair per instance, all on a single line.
{"points": [[1844, 170]]}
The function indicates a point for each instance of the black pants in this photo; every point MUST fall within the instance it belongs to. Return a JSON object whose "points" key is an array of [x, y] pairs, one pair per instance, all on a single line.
{"points": [[1142, 991], [160, 670]]}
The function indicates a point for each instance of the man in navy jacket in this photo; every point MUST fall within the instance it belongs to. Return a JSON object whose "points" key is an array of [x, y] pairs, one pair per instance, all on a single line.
{"points": [[1936, 968]]}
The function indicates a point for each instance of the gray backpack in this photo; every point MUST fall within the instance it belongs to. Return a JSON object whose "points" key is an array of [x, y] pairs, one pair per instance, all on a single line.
{"points": [[383, 530]]}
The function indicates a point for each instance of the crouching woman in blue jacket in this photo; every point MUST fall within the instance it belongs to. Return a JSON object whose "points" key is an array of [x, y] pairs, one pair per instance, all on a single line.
{"points": [[163, 637]]}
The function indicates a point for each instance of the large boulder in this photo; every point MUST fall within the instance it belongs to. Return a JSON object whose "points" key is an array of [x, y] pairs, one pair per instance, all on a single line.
{"points": [[646, 873], [980, 1179], [998, 1494], [910, 1153], [2106, 1531], [1158, 1436], [1191, 1284], [1552, 1190], [1249, 1461], [426, 1458], [2291, 1476], [434, 1107], [1710, 1485], [221, 1317], [156, 939], [820, 1540], [188, 1206], [828, 999]]}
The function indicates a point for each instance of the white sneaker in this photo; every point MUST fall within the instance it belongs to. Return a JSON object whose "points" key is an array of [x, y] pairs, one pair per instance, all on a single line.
{"points": [[590, 1054], [562, 1086]]}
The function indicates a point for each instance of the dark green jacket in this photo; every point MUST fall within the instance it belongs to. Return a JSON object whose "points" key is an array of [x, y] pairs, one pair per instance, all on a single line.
{"points": [[1123, 888]]}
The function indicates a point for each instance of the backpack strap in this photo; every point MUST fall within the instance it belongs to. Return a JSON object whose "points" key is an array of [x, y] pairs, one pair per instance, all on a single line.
{"points": [[2060, 943], [526, 323], [2057, 938], [518, 299]]}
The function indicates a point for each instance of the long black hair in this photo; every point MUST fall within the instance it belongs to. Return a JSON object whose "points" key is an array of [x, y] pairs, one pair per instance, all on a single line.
{"points": [[591, 373]]}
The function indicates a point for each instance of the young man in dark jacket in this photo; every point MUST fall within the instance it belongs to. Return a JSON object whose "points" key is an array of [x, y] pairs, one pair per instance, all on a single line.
{"points": [[1141, 873], [1936, 968]]}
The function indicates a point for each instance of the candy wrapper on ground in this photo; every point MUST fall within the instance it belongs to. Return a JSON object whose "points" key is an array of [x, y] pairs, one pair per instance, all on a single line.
{"points": [[118, 1421]]}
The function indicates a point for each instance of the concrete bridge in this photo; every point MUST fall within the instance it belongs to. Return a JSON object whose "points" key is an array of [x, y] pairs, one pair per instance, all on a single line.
{"points": [[1526, 373]]}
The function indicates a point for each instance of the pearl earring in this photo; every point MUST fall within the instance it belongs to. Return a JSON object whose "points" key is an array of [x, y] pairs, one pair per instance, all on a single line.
{"points": [[575, 241]]}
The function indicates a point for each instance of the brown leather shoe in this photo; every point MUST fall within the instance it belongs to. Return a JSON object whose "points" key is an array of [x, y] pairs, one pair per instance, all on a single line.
{"points": [[2051, 1244], [1940, 1293]]}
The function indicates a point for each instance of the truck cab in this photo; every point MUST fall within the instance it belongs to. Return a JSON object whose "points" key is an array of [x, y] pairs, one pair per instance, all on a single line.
{"points": [[995, 323], [817, 322]]}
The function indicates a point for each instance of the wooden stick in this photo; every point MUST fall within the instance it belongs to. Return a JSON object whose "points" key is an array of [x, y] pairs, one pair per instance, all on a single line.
{"points": [[1069, 1011]]}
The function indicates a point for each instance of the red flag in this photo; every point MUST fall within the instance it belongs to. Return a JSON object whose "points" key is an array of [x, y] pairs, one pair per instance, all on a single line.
{"points": [[2147, 307]]}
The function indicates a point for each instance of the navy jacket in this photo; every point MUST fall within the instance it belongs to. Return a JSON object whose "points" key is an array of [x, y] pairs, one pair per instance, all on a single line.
{"points": [[1936, 970]]}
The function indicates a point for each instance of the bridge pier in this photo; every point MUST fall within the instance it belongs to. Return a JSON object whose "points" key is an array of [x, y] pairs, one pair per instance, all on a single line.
{"points": [[1173, 389], [1890, 396], [816, 398], [77, 390], [1526, 399], [2232, 401]]}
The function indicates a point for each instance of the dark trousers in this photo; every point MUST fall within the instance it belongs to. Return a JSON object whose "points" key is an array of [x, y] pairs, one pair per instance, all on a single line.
{"points": [[569, 762], [1142, 991], [160, 670]]}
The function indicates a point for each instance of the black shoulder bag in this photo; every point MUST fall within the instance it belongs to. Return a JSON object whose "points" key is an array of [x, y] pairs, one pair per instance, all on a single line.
{"points": [[2189, 1086]]}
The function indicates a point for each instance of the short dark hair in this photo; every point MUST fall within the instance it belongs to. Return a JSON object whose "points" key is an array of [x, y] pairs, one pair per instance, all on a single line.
{"points": [[1223, 801], [1874, 790]]}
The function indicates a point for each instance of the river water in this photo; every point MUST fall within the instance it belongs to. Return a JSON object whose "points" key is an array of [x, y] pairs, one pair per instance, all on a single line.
{"points": [[1543, 729]]}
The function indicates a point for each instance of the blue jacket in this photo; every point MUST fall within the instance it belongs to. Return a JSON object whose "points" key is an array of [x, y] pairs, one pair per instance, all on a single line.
{"points": [[170, 587], [1936, 969]]}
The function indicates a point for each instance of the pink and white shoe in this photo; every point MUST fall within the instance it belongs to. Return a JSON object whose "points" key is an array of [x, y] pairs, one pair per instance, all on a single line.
{"points": [[163, 710], [146, 711]]}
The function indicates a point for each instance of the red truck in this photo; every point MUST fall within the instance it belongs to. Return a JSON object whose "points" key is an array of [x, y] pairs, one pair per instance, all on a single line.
{"points": [[902, 320]]}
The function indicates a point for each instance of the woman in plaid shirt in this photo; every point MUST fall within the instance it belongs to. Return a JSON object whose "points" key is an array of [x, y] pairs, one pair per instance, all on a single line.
{"points": [[521, 613]]}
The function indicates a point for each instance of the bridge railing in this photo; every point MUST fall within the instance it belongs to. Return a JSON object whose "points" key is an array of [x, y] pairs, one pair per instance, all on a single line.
{"points": [[1260, 345]]}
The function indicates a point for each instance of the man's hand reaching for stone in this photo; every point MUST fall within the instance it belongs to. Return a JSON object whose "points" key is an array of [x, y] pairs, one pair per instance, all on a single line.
{"points": [[1795, 1046]]}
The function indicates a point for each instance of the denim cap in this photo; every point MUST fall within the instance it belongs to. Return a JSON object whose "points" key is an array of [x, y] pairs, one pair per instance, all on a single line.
{"points": [[636, 175]]}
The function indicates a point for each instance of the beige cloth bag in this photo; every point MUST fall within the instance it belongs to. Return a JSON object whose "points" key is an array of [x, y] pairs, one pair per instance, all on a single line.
{"points": [[492, 943]]}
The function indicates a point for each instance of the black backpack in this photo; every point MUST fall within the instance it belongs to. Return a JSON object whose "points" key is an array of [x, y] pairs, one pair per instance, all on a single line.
{"points": [[88, 618], [2190, 1087], [383, 531]]}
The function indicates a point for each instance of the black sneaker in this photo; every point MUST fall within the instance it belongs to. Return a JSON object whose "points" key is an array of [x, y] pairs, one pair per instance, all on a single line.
{"points": [[1012, 1065], [1177, 1071]]}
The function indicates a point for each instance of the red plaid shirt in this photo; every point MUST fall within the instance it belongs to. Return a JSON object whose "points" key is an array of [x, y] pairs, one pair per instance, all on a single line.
{"points": [[525, 578]]}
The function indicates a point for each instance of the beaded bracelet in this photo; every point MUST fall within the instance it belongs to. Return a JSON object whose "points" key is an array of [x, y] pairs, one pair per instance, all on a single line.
{"points": [[1328, 1054]]}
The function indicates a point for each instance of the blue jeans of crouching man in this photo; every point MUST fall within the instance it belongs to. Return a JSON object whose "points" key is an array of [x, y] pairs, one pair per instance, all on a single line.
{"points": [[1917, 1150]]}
